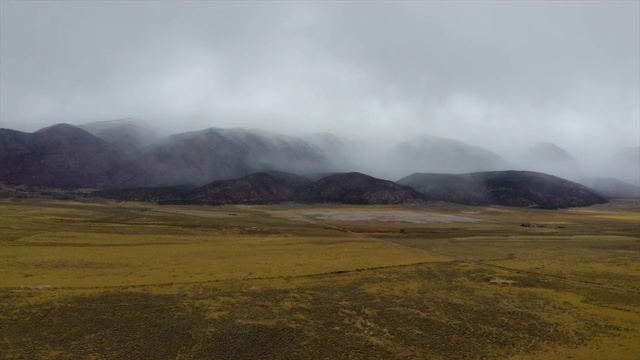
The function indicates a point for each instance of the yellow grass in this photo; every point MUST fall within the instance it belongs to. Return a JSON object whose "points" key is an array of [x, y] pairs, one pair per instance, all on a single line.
{"points": [[134, 280], [112, 254]]}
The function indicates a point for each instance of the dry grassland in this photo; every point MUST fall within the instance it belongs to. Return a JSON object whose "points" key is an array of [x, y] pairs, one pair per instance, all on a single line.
{"points": [[128, 280]]}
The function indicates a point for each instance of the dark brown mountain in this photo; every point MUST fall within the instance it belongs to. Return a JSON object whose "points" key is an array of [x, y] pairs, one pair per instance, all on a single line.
{"points": [[67, 156], [13, 143], [611, 188], [357, 188], [276, 187], [259, 188], [58, 156], [509, 188], [200, 157]]}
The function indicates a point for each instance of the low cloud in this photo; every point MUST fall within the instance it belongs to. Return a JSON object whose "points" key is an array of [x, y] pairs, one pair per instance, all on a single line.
{"points": [[493, 74]]}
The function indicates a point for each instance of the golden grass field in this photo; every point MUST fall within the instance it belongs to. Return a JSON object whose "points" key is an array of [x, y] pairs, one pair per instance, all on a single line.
{"points": [[117, 280]]}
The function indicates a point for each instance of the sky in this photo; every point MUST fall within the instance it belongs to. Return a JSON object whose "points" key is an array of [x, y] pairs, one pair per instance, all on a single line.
{"points": [[495, 74]]}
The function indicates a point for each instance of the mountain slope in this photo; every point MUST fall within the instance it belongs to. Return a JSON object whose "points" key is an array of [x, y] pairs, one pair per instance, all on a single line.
{"points": [[59, 156], [625, 165], [439, 155], [357, 188], [258, 188], [551, 159], [13, 142], [612, 188], [509, 188], [128, 135], [214, 154], [276, 186]]}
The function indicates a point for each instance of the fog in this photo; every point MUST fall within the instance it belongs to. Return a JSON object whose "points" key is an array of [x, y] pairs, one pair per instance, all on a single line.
{"points": [[499, 75]]}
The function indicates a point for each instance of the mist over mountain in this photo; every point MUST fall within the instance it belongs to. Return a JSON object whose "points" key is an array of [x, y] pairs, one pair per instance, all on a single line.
{"points": [[128, 134], [200, 157], [344, 154], [611, 188], [509, 188], [364, 76], [220, 166], [439, 155], [126, 153], [623, 164], [550, 158]]}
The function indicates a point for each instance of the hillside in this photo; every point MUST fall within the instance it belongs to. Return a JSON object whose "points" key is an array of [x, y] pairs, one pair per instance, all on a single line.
{"points": [[509, 188], [356, 188], [127, 134], [59, 156], [163, 194], [624, 164], [439, 155], [121, 155], [200, 157], [275, 187], [551, 159], [258, 188], [611, 188]]}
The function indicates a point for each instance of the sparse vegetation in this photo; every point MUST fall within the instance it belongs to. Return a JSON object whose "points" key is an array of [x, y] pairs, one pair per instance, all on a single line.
{"points": [[136, 280]]}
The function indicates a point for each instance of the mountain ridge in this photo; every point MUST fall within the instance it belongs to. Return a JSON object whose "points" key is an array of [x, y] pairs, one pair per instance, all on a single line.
{"points": [[69, 156], [509, 188]]}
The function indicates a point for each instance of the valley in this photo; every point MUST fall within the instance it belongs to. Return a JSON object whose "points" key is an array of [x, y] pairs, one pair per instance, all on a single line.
{"points": [[95, 277], [339, 180]]}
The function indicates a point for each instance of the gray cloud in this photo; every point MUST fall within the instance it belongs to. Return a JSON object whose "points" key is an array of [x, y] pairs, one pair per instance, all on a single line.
{"points": [[490, 73]]}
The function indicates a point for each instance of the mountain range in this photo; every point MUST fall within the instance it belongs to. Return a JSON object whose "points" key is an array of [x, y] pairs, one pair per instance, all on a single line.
{"points": [[508, 188], [242, 165], [277, 187]]}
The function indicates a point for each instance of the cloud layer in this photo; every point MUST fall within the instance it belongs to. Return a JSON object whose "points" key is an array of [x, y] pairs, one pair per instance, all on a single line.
{"points": [[490, 73]]}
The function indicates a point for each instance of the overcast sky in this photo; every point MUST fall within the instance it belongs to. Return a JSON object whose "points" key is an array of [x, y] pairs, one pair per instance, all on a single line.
{"points": [[488, 73]]}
